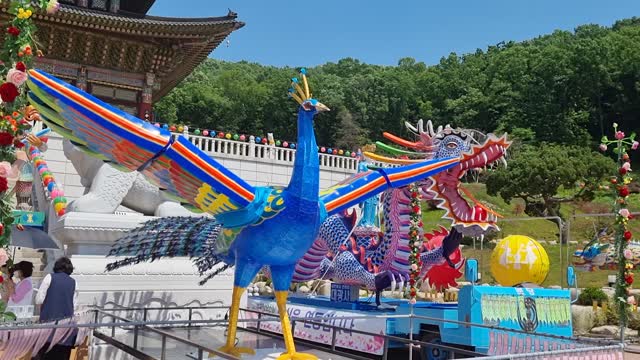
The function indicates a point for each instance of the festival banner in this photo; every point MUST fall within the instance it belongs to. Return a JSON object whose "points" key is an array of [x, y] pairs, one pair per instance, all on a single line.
{"points": [[322, 334]]}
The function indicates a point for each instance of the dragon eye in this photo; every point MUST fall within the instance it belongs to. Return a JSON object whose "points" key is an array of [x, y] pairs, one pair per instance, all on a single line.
{"points": [[452, 145]]}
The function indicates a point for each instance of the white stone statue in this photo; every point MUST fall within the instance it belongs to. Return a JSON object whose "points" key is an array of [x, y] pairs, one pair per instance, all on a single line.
{"points": [[108, 188]]}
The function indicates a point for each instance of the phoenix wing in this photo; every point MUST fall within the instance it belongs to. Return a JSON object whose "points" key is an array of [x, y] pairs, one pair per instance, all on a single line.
{"points": [[366, 184], [175, 165]]}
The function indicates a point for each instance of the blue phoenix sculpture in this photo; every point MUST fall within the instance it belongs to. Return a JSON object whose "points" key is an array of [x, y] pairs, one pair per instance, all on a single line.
{"points": [[252, 226]]}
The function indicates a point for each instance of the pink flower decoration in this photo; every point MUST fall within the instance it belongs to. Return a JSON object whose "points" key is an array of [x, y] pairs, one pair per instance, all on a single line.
{"points": [[603, 147], [635, 145], [619, 135], [627, 166], [624, 213], [3, 257], [628, 254], [16, 77], [414, 267], [5, 169]]}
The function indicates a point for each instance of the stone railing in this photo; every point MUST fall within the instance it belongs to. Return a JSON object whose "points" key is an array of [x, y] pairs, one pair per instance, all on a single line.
{"points": [[268, 153]]}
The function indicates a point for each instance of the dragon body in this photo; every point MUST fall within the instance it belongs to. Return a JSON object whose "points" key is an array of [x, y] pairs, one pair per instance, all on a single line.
{"points": [[362, 254]]}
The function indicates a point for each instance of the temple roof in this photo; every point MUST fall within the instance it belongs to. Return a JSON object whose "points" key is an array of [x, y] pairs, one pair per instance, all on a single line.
{"points": [[137, 6], [169, 48]]}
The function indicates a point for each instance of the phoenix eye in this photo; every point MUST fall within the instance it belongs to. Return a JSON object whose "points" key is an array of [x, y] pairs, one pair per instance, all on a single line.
{"points": [[452, 145]]}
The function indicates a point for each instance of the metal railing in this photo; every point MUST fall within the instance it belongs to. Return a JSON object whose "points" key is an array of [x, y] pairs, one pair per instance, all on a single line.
{"points": [[164, 335], [268, 153], [588, 345], [107, 332]]}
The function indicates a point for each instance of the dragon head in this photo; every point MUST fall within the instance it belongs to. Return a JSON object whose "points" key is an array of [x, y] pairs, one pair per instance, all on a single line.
{"points": [[476, 151]]}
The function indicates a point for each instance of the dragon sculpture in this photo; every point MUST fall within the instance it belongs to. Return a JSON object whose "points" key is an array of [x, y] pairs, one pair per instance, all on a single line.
{"points": [[253, 226], [599, 254], [359, 253]]}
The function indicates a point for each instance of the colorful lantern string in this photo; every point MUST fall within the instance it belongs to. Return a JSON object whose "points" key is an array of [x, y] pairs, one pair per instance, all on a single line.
{"points": [[56, 194], [250, 138]]}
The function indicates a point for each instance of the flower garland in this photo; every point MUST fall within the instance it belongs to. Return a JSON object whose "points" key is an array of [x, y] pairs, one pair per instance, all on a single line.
{"points": [[16, 56], [623, 235], [415, 243]]}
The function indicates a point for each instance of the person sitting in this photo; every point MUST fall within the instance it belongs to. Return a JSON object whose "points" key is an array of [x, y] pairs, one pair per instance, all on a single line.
{"points": [[23, 294], [58, 297]]}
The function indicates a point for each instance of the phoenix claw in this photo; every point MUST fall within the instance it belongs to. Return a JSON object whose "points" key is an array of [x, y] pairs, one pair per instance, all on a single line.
{"points": [[297, 356], [235, 351]]}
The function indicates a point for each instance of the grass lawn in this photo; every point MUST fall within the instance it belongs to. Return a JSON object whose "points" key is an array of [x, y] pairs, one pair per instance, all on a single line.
{"points": [[557, 270]]}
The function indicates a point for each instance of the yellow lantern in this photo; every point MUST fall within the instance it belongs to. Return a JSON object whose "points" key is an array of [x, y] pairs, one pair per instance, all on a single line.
{"points": [[517, 259]]}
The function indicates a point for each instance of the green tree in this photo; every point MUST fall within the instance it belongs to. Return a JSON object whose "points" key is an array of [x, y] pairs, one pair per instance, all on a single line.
{"points": [[538, 174]]}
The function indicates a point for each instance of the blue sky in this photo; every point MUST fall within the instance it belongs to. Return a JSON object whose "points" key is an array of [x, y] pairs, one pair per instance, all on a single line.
{"points": [[304, 33]]}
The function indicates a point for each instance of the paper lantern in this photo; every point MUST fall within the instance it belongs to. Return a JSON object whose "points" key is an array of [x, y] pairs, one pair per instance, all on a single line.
{"points": [[172, 128], [285, 144], [221, 135], [59, 207], [156, 125], [213, 133], [205, 132], [518, 259], [292, 146], [180, 128], [278, 143], [236, 136], [329, 151], [197, 132], [51, 186], [264, 140], [258, 139], [323, 149], [243, 138], [227, 136], [340, 152]]}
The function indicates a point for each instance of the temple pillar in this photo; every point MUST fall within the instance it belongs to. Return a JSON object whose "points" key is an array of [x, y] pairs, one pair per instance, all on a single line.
{"points": [[81, 81], [145, 108]]}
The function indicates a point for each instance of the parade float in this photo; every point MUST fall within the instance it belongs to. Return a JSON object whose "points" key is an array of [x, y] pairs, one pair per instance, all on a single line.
{"points": [[253, 226]]}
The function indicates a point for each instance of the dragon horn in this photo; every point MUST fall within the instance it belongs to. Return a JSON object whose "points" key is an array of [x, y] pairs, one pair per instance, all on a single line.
{"points": [[412, 128]]}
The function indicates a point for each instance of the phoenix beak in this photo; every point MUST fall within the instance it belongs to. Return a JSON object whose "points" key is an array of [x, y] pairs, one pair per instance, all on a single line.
{"points": [[320, 107]]}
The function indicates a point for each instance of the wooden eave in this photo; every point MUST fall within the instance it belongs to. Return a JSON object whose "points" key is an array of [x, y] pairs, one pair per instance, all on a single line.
{"points": [[169, 48]]}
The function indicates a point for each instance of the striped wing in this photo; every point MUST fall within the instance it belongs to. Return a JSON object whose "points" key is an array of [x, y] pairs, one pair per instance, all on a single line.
{"points": [[364, 185], [175, 165]]}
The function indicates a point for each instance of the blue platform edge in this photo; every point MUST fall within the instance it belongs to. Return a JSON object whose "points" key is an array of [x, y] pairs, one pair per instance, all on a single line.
{"points": [[468, 309]]}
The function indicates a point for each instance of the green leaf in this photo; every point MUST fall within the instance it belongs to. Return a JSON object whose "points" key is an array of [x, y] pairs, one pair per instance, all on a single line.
{"points": [[10, 316]]}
